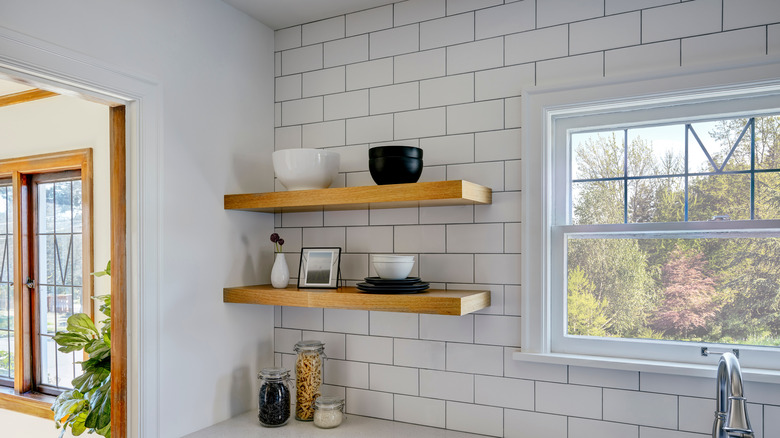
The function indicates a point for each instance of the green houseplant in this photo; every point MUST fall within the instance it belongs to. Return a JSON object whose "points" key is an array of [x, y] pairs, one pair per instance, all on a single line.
{"points": [[87, 407]]}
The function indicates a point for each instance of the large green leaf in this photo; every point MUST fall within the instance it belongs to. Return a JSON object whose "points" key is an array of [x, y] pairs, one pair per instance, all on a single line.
{"points": [[97, 349], [106, 271], [77, 426], [70, 341], [91, 378], [100, 405], [96, 363], [67, 404], [106, 431], [81, 323]]}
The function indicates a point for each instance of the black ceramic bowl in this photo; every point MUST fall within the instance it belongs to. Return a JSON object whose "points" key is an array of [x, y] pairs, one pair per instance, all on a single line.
{"points": [[395, 170], [395, 151]]}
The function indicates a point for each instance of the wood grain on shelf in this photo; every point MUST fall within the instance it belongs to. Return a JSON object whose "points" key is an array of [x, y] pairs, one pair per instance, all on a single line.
{"points": [[457, 192], [440, 302]]}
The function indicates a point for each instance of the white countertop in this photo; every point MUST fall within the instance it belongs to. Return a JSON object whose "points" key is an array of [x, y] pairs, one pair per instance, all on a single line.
{"points": [[354, 426]]}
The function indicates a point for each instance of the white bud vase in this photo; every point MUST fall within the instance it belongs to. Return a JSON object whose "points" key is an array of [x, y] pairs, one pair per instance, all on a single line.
{"points": [[280, 274]]}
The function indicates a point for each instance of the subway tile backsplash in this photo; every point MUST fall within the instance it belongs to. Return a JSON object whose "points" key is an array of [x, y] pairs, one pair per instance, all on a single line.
{"points": [[448, 76]]}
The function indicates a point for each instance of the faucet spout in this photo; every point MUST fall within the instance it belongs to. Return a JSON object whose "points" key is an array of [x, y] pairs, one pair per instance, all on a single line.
{"points": [[731, 419]]}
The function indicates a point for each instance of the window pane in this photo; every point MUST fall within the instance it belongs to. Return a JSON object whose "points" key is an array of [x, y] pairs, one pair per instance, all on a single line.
{"points": [[46, 300], [63, 207], [6, 354], [77, 260], [63, 265], [597, 155], [46, 208], [698, 159], [6, 295], [66, 363], [6, 207], [768, 195], [727, 132], [659, 150], [719, 195], [76, 206], [48, 361], [598, 202], [78, 306], [768, 142], [46, 257], [656, 200], [64, 307], [721, 290]]}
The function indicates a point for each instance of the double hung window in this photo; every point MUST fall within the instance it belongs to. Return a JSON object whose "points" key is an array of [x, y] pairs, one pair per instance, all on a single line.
{"points": [[45, 258], [664, 228]]}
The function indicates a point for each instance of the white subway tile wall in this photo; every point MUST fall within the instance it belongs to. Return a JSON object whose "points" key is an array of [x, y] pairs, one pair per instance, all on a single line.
{"points": [[448, 76]]}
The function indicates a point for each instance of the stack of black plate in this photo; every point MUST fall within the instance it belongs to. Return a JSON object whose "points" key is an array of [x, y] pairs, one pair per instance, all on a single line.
{"points": [[408, 285]]}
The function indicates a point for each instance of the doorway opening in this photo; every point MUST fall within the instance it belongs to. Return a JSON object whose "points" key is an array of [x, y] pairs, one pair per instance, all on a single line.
{"points": [[23, 396]]}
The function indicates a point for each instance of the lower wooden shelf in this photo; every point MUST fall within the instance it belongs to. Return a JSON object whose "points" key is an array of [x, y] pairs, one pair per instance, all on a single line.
{"points": [[439, 302]]}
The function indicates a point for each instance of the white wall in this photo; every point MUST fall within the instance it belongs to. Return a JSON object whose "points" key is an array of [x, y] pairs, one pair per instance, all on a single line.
{"points": [[214, 67], [447, 75]]}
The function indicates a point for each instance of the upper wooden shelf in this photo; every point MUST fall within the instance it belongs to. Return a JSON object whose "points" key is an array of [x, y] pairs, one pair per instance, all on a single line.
{"points": [[435, 193], [439, 302]]}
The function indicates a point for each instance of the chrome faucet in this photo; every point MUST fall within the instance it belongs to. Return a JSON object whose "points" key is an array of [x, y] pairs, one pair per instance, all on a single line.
{"points": [[731, 419]]}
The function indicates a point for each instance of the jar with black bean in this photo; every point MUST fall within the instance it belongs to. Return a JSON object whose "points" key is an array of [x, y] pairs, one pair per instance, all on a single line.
{"points": [[274, 397]]}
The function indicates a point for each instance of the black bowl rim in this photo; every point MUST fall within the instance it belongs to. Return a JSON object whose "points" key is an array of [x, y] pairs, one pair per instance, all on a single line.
{"points": [[395, 151], [395, 157]]}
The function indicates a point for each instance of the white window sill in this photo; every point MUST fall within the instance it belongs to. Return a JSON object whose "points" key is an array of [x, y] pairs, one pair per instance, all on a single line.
{"points": [[647, 366]]}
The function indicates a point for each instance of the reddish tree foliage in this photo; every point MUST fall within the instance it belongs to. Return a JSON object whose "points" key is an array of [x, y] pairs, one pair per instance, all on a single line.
{"points": [[689, 294]]}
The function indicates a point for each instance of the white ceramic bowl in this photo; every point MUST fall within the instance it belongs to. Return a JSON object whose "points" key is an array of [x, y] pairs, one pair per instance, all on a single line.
{"points": [[393, 270], [392, 258], [305, 169]]}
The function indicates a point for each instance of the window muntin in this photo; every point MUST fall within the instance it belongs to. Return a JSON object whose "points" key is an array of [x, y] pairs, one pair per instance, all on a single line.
{"points": [[619, 215]]}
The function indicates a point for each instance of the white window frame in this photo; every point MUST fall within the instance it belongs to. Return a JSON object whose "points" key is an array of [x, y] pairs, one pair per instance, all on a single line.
{"points": [[548, 115]]}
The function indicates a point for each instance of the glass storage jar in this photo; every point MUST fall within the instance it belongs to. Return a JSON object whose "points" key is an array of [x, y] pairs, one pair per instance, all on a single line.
{"points": [[274, 397], [328, 412], [308, 377]]}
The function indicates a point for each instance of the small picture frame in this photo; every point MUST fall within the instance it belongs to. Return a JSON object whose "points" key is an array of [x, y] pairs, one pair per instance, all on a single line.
{"points": [[319, 268]]}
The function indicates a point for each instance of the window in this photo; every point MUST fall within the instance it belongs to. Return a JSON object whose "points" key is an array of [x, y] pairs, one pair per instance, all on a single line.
{"points": [[45, 260], [661, 220]]}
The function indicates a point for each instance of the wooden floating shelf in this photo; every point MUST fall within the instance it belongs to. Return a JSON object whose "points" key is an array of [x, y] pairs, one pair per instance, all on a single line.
{"points": [[436, 193], [439, 302]]}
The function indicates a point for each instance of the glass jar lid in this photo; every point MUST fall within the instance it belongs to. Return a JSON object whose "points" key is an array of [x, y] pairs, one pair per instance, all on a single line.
{"points": [[274, 373], [328, 402], [317, 346]]}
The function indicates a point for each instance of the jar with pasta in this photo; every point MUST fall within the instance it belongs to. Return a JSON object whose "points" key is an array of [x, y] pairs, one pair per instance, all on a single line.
{"points": [[308, 377]]}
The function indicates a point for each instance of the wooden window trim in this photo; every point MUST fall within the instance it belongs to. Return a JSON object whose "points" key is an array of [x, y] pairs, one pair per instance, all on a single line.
{"points": [[30, 403], [22, 398], [118, 163]]}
